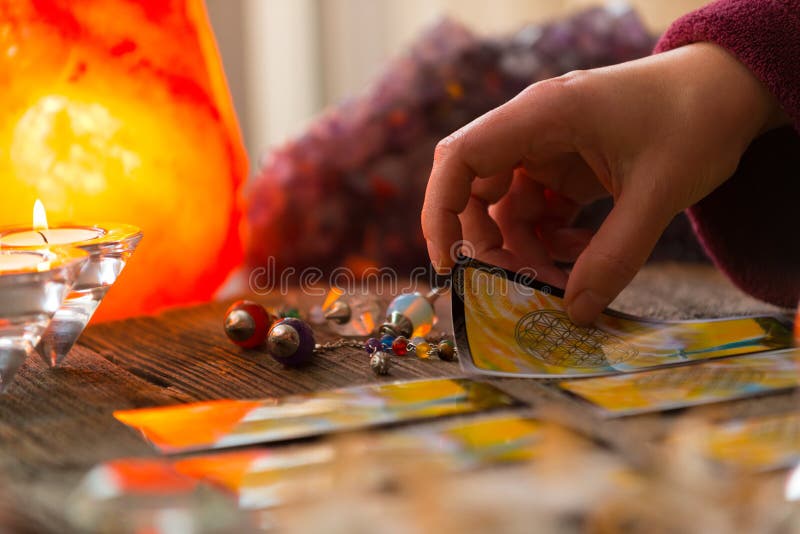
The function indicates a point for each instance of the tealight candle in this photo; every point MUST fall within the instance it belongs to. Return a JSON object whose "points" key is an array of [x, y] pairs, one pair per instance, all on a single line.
{"points": [[109, 246], [42, 234], [20, 261], [51, 236]]}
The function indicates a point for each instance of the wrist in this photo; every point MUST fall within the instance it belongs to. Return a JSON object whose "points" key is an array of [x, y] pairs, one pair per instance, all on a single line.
{"points": [[745, 102]]}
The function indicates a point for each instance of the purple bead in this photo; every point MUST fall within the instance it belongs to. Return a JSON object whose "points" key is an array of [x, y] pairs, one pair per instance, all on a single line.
{"points": [[291, 342], [372, 345]]}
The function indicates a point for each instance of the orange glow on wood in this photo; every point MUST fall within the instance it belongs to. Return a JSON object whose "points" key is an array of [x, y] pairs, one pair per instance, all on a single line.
{"points": [[119, 110]]}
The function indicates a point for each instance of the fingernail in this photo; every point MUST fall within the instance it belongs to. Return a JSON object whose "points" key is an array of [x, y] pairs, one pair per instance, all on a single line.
{"points": [[585, 308]]}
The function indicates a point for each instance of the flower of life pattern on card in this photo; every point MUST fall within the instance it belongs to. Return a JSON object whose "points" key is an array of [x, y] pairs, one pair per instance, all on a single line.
{"points": [[550, 336]]}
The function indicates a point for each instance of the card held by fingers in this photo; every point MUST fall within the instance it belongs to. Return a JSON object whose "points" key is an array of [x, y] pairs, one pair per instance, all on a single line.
{"points": [[509, 324]]}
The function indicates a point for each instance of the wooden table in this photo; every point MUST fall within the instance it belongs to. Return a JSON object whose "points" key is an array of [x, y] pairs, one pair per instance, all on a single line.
{"points": [[57, 424]]}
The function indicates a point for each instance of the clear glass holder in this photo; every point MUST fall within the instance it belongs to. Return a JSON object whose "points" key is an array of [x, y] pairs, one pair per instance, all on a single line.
{"points": [[108, 254], [33, 286]]}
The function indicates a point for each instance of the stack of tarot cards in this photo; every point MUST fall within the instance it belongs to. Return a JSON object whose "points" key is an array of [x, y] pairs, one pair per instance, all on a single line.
{"points": [[261, 452]]}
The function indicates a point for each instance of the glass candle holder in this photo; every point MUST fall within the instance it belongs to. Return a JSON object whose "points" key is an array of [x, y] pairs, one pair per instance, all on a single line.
{"points": [[109, 247], [33, 286]]}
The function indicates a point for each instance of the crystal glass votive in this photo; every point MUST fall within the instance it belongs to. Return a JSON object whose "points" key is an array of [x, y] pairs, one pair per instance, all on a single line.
{"points": [[109, 246], [33, 286]]}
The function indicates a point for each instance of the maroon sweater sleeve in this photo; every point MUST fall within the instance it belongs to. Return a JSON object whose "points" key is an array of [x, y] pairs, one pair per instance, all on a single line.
{"points": [[750, 226]]}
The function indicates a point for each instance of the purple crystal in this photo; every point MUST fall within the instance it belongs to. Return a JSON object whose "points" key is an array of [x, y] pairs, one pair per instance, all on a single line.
{"points": [[352, 186]]}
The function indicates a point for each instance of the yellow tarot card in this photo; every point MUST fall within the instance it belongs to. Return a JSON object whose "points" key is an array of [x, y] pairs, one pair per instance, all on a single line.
{"points": [[508, 324], [690, 385], [265, 477], [234, 423], [757, 443]]}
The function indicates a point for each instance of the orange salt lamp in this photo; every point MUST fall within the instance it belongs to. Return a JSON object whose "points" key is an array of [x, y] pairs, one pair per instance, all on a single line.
{"points": [[118, 110]]}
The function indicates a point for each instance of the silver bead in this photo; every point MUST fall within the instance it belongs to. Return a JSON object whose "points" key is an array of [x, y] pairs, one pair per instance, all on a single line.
{"points": [[339, 313], [380, 362], [239, 325], [283, 340], [396, 324]]}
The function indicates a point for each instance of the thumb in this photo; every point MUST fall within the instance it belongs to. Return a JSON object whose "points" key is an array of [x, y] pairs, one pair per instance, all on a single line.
{"points": [[615, 254]]}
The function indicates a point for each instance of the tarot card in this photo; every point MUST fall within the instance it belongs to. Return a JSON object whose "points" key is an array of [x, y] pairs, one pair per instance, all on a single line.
{"points": [[264, 477], [757, 443], [233, 423], [490, 440], [690, 385], [508, 324]]}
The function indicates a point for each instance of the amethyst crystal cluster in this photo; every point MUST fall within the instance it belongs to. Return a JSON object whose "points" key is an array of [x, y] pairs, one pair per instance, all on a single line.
{"points": [[351, 187]]}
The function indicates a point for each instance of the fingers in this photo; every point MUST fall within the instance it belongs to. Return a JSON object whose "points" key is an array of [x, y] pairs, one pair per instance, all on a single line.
{"points": [[549, 215], [479, 229], [535, 121], [492, 189], [517, 215], [615, 254], [483, 237], [446, 196], [568, 175], [565, 244], [481, 234]]}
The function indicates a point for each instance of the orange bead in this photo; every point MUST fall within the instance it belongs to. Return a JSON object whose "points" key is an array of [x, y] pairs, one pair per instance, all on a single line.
{"points": [[423, 350]]}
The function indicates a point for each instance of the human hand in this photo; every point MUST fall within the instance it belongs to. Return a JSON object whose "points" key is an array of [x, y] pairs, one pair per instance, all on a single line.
{"points": [[657, 134]]}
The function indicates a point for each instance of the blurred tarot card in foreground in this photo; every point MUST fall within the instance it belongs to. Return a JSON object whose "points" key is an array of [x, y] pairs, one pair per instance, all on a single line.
{"points": [[264, 477], [759, 443], [234, 423], [508, 324]]}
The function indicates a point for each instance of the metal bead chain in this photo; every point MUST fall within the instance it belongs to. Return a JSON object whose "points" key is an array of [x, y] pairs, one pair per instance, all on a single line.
{"points": [[338, 344]]}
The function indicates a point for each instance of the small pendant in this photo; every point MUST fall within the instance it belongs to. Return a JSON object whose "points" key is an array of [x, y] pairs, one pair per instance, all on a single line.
{"points": [[291, 342], [247, 323], [410, 315], [380, 362], [349, 314]]}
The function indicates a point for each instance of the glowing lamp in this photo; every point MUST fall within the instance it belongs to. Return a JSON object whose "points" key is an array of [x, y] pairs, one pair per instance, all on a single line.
{"points": [[119, 110]]}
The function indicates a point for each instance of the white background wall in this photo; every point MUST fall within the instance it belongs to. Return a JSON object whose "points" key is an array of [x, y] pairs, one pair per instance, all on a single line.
{"points": [[287, 59]]}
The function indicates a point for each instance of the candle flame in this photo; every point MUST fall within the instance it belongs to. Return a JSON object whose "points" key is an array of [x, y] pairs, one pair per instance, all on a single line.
{"points": [[39, 216]]}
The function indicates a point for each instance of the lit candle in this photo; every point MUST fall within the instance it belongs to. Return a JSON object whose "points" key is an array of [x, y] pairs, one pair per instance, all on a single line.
{"points": [[18, 261], [41, 234], [51, 236], [109, 245]]}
